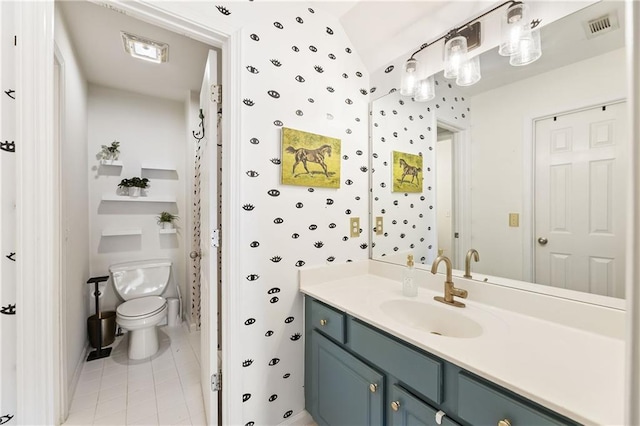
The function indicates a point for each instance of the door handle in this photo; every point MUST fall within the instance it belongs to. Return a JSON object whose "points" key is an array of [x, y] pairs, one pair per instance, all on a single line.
{"points": [[194, 254], [542, 241]]}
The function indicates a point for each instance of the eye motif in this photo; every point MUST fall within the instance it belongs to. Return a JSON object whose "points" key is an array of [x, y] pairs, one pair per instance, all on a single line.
{"points": [[273, 397], [311, 10], [295, 48], [318, 244], [348, 101], [278, 25], [332, 56], [345, 238], [299, 113], [389, 69], [394, 222], [300, 79], [318, 68], [245, 397], [299, 205], [382, 113], [395, 202], [252, 173], [248, 207], [345, 75], [248, 102], [268, 333], [395, 249], [310, 100], [402, 235], [412, 245], [310, 189], [273, 192], [348, 182], [288, 320], [274, 361], [329, 31], [273, 300], [329, 116], [250, 321], [313, 227], [330, 89], [295, 236], [273, 94], [395, 134], [345, 157], [247, 363], [278, 123], [275, 62], [254, 244], [252, 70], [331, 259], [347, 211], [422, 198], [359, 152], [332, 225], [313, 48], [288, 414], [254, 141], [276, 259], [363, 91], [295, 337], [373, 90], [223, 10], [363, 169], [348, 50], [286, 376], [250, 424], [329, 201], [383, 185], [299, 20], [273, 290], [253, 277], [300, 263], [275, 160], [278, 220]]}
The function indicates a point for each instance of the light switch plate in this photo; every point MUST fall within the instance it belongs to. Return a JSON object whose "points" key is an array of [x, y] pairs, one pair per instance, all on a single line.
{"points": [[379, 225], [514, 220], [354, 226]]}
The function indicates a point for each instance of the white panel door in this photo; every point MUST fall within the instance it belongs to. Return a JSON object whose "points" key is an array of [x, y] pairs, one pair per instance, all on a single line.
{"points": [[208, 247], [580, 200]]}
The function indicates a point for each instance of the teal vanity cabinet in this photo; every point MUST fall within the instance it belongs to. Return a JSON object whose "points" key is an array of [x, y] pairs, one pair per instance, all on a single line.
{"points": [[356, 375]]}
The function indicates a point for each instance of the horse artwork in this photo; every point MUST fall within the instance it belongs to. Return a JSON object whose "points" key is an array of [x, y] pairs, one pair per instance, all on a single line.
{"points": [[407, 172], [309, 159]]}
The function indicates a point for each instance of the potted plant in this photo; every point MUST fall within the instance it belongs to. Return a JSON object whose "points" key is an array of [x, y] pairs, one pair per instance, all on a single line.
{"points": [[110, 153], [166, 220], [134, 185]]}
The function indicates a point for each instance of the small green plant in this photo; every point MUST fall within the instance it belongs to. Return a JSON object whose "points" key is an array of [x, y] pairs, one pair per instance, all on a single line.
{"points": [[166, 217], [134, 182], [110, 152]]}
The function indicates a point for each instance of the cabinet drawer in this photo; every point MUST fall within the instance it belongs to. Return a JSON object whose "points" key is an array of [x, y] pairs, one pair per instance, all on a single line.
{"points": [[415, 369], [480, 404], [328, 320], [407, 410]]}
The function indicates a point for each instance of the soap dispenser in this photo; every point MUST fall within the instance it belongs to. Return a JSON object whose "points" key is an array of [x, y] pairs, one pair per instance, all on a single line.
{"points": [[409, 286]]}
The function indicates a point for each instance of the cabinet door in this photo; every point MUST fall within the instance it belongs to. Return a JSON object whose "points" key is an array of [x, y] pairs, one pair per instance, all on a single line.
{"points": [[344, 390], [407, 410]]}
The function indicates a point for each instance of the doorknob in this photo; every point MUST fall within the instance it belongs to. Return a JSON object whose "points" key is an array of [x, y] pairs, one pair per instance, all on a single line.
{"points": [[542, 241], [194, 254]]}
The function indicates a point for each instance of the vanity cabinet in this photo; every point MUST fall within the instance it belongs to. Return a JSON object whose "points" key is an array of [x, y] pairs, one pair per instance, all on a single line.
{"points": [[356, 374]]}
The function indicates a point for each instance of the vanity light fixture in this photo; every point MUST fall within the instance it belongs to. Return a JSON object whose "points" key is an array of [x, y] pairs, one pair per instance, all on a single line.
{"points": [[145, 49], [520, 40]]}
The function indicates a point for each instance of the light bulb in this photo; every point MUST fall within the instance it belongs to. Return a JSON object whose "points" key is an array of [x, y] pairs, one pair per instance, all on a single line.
{"points": [[409, 78], [455, 54]]}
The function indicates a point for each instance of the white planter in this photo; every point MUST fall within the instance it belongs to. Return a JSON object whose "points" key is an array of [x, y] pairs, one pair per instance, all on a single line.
{"points": [[167, 225], [134, 191]]}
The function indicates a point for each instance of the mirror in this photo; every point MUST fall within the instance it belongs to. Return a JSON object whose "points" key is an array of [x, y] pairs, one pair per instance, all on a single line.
{"points": [[527, 166]]}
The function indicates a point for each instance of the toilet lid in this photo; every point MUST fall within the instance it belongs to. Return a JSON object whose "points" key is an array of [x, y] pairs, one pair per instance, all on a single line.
{"points": [[142, 306]]}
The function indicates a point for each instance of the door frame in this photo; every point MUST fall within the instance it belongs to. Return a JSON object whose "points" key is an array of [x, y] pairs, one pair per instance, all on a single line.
{"points": [[38, 282]]}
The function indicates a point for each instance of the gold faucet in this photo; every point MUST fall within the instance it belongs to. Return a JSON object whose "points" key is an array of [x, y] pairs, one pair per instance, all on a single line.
{"points": [[449, 290], [467, 262]]}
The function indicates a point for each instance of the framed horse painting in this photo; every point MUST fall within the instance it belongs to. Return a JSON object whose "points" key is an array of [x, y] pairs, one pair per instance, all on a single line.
{"points": [[407, 172], [309, 159]]}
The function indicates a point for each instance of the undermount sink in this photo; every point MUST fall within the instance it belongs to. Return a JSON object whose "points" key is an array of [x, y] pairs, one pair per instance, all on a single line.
{"points": [[431, 318]]}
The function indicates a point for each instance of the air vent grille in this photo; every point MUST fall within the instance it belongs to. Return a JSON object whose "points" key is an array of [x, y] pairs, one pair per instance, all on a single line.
{"points": [[601, 25]]}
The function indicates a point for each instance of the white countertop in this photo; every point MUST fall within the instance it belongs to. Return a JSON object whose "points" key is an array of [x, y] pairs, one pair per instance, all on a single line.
{"points": [[577, 373]]}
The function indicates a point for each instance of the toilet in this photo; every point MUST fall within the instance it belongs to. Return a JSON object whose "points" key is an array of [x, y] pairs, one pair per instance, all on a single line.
{"points": [[144, 286]]}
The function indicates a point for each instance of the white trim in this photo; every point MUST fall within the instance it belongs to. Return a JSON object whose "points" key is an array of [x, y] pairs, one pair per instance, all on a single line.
{"points": [[632, 373], [73, 385], [37, 204]]}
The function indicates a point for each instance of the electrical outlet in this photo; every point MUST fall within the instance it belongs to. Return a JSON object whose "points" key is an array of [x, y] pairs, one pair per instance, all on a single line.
{"points": [[514, 220], [354, 226], [379, 225]]}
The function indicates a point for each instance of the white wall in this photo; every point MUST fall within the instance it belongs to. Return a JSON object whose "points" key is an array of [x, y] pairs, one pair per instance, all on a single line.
{"points": [[444, 188], [151, 131], [75, 218], [498, 126]]}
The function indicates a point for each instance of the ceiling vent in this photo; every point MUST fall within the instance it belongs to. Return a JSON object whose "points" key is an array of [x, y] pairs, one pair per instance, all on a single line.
{"points": [[601, 25]]}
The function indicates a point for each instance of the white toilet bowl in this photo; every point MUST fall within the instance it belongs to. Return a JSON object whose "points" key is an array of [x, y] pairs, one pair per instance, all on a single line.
{"points": [[140, 317]]}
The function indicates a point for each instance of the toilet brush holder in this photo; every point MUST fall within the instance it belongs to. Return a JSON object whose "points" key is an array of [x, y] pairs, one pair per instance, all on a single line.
{"points": [[100, 352]]}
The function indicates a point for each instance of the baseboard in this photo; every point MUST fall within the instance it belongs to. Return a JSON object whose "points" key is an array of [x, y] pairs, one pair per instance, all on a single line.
{"points": [[303, 418], [76, 376]]}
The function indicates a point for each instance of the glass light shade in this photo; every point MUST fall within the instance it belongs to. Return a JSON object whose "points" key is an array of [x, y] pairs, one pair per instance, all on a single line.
{"points": [[469, 72], [530, 49], [426, 90], [409, 78], [512, 25], [455, 54]]}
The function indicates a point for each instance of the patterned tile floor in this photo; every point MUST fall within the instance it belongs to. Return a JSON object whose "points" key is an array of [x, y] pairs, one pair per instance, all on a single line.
{"points": [[161, 390]]}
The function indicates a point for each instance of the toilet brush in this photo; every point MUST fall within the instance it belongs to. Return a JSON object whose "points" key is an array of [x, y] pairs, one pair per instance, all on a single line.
{"points": [[99, 352]]}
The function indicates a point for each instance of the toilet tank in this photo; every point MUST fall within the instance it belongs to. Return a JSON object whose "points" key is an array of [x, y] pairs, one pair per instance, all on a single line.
{"points": [[141, 278]]}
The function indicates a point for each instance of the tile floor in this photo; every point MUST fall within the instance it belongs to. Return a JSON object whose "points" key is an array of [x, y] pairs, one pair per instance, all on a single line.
{"points": [[161, 390]]}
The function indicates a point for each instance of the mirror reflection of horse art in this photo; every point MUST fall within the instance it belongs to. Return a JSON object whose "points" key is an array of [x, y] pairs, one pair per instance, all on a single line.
{"points": [[406, 172], [319, 156]]}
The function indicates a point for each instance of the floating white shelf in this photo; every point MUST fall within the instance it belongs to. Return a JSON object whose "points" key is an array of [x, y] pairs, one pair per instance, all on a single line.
{"points": [[158, 167], [113, 232], [168, 231], [141, 199], [114, 163]]}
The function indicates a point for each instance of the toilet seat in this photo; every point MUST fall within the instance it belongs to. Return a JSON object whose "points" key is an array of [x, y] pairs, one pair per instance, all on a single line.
{"points": [[142, 307]]}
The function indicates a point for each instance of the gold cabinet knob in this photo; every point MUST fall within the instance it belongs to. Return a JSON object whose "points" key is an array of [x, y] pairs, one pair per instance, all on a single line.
{"points": [[323, 322], [373, 387], [504, 422], [395, 405]]}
